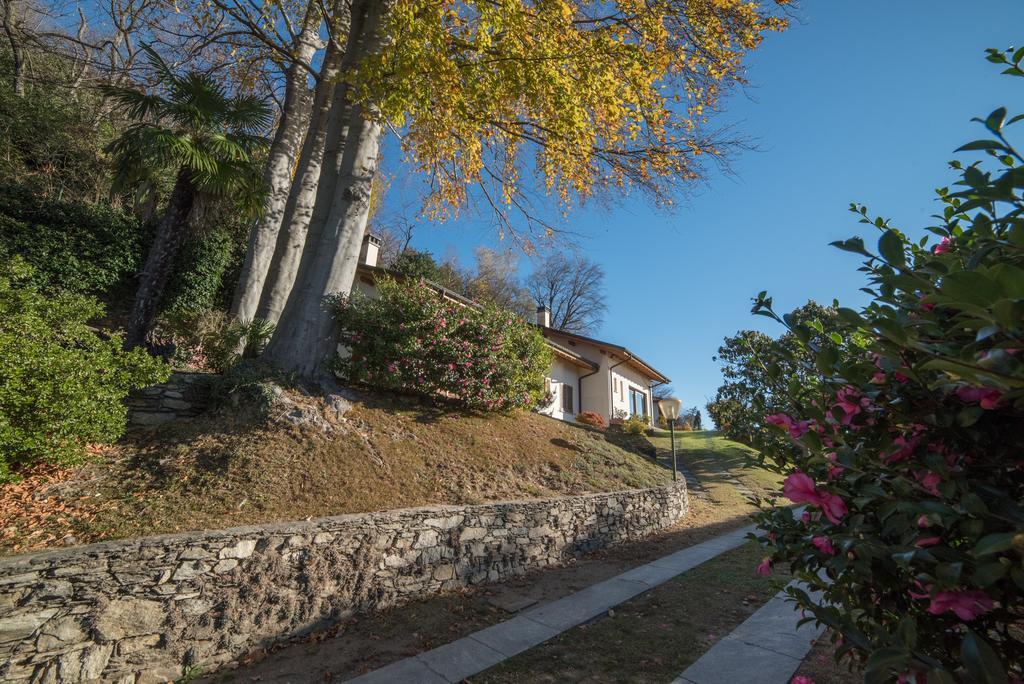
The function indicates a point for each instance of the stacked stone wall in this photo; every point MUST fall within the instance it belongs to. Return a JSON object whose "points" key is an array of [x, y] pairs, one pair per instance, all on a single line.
{"points": [[147, 610], [184, 395]]}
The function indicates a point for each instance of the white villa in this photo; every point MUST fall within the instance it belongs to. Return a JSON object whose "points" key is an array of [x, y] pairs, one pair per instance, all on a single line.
{"points": [[585, 375]]}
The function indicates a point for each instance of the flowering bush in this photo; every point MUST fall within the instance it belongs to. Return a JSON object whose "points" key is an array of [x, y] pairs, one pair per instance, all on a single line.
{"points": [[591, 418], [906, 444], [411, 339]]}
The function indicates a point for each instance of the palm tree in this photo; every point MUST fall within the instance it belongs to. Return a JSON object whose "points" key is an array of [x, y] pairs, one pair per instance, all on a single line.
{"points": [[210, 139]]}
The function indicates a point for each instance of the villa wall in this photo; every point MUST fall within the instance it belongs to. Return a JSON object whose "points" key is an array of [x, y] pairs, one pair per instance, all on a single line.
{"points": [[146, 610]]}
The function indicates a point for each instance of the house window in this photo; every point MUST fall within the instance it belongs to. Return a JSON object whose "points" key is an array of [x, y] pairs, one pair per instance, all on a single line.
{"points": [[567, 398], [637, 403]]}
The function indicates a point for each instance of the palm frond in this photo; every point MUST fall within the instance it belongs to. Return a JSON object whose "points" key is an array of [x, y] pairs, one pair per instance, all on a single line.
{"points": [[248, 114], [135, 103]]}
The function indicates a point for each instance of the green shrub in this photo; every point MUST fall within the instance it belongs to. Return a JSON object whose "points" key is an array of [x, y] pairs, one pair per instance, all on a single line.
{"points": [[635, 425], [412, 340], [904, 440], [591, 418], [210, 339], [61, 384], [83, 248], [199, 271]]}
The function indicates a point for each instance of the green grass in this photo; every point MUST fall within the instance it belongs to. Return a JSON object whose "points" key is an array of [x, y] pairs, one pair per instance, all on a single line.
{"points": [[655, 636], [707, 455]]}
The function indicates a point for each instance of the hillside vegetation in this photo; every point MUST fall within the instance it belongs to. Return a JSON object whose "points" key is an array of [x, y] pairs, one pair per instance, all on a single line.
{"points": [[232, 466]]}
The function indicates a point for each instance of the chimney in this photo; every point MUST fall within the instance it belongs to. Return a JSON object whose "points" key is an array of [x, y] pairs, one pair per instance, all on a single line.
{"points": [[370, 251], [543, 316]]}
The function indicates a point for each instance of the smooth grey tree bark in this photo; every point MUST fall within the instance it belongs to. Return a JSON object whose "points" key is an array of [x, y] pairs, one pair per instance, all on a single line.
{"points": [[302, 198], [13, 33], [277, 174], [306, 335]]}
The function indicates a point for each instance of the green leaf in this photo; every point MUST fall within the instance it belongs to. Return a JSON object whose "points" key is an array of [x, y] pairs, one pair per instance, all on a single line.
{"points": [[994, 122], [990, 573], [890, 246], [835, 337], [891, 329], [983, 665], [854, 244], [970, 286], [981, 145], [993, 543], [938, 676]]}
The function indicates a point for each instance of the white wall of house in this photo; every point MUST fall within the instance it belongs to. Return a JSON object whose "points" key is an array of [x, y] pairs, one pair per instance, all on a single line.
{"points": [[562, 375], [623, 379]]}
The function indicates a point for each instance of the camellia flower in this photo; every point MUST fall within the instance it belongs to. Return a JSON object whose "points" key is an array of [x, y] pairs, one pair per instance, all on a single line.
{"points": [[927, 541], [986, 397], [796, 429], [851, 403], [929, 481], [799, 488], [942, 247], [967, 603], [765, 567], [824, 545], [800, 679]]}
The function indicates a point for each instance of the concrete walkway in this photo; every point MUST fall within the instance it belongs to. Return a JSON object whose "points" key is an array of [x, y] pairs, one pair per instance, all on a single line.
{"points": [[767, 648], [484, 649]]}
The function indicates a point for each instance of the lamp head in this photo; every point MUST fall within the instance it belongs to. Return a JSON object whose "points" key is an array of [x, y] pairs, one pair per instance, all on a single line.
{"points": [[669, 408]]}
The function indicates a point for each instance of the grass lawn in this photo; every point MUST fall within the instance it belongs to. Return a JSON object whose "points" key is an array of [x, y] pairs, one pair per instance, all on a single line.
{"points": [[708, 455], [653, 637]]}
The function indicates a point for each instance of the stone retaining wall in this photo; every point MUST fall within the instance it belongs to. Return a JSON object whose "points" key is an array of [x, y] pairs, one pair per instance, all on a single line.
{"points": [[144, 610], [184, 395]]}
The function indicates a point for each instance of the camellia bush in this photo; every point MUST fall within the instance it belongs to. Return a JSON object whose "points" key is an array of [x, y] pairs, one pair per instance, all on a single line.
{"points": [[62, 385], [410, 339], [905, 446]]}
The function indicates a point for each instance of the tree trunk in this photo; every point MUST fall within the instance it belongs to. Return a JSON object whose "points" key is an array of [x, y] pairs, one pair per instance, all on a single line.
{"points": [[302, 198], [306, 335], [277, 173], [11, 30], [160, 260]]}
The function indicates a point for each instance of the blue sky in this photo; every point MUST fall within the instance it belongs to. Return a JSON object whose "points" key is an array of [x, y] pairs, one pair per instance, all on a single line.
{"points": [[859, 101]]}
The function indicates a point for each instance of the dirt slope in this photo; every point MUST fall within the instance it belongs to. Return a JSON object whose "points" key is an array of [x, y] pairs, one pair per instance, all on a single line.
{"points": [[233, 467]]}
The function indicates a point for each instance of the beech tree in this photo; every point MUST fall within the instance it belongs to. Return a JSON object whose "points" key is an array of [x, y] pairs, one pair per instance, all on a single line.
{"points": [[495, 102]]}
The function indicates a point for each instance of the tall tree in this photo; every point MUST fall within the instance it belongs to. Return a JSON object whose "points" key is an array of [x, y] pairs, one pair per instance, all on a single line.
{"points": [[572, 288], [281, 160], [755, 382], [209, 138], [598, 96], [496, 281]]}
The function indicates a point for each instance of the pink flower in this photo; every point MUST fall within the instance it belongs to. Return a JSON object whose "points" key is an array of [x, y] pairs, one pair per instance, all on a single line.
{"points": [[824, 545], [923, 521], [927, 541], [967, 604], [986, 397], [796, 429], [942, 247], [878, 378], [800, 679], [851, 403], [765, 567], [799, 488], [929, 482]]}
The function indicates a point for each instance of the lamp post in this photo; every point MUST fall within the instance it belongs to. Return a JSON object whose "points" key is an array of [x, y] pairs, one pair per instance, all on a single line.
{"points": [[669, 408]]}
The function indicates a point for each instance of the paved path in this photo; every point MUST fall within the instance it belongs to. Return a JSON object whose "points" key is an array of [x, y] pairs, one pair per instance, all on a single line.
{"points": [[484, 649], [767, 648]]}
